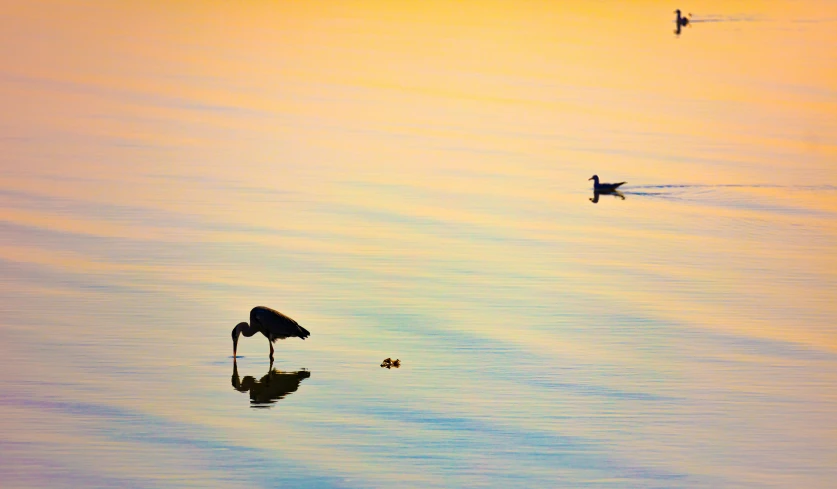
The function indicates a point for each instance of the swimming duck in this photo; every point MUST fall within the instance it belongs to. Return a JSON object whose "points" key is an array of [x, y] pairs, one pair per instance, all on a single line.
{"points": [[603, 188], [681, 21]]}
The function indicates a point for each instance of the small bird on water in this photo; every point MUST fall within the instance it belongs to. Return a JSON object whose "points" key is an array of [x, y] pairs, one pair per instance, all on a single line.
{"points": [[273, 324], [604, 188], [389, 363], [681, 20]]}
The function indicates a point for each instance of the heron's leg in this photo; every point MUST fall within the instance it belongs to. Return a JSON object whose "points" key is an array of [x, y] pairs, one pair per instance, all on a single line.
{"points": [[271, 351]]}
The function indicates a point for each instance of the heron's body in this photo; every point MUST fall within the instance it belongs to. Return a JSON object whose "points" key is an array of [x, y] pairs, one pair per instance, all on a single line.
{"points": [[604, 188], [272, 324]]}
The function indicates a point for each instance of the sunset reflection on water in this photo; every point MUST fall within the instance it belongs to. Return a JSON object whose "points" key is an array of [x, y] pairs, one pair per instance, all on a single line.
{"points": [[410, 180]]}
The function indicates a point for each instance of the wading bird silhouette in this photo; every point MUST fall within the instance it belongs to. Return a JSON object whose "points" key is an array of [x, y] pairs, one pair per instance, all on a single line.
{"points": [[273, 324]]}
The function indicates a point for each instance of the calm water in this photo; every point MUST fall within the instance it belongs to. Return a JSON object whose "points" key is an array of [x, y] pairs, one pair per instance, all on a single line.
{"points": [[410, 181]]}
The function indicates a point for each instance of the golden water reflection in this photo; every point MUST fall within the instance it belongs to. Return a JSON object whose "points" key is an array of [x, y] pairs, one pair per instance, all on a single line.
{"points": [[410, 180]]}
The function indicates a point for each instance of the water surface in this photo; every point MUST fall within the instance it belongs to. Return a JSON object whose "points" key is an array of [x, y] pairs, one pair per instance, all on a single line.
{"points": [[411, 182]]}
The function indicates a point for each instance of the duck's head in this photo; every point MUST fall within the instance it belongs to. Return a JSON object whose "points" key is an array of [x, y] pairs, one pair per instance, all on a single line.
{"points": [[677, 12], [595, 178]]}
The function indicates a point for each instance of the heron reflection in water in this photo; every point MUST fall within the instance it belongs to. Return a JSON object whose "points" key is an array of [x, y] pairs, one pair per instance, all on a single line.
{"points": [[273, 386]]}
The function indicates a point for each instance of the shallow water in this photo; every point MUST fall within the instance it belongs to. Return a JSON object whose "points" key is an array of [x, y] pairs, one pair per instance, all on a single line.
{"points": [[411, 182]]}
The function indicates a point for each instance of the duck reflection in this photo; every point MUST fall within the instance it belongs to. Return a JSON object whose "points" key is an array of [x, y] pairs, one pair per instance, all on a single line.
{"points": [[273, 386], [596, 194]]}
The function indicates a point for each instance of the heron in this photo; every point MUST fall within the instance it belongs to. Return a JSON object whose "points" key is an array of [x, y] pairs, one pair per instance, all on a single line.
{"points": [[273, 324], [603, 188]]}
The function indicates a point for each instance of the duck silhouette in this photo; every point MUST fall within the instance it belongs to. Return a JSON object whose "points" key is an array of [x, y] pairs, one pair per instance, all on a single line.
{"points": [[604, 188], [681, 21]]}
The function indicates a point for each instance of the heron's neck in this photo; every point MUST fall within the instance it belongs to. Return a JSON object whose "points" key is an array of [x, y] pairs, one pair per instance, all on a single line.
{"points": [[247, 330]]}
